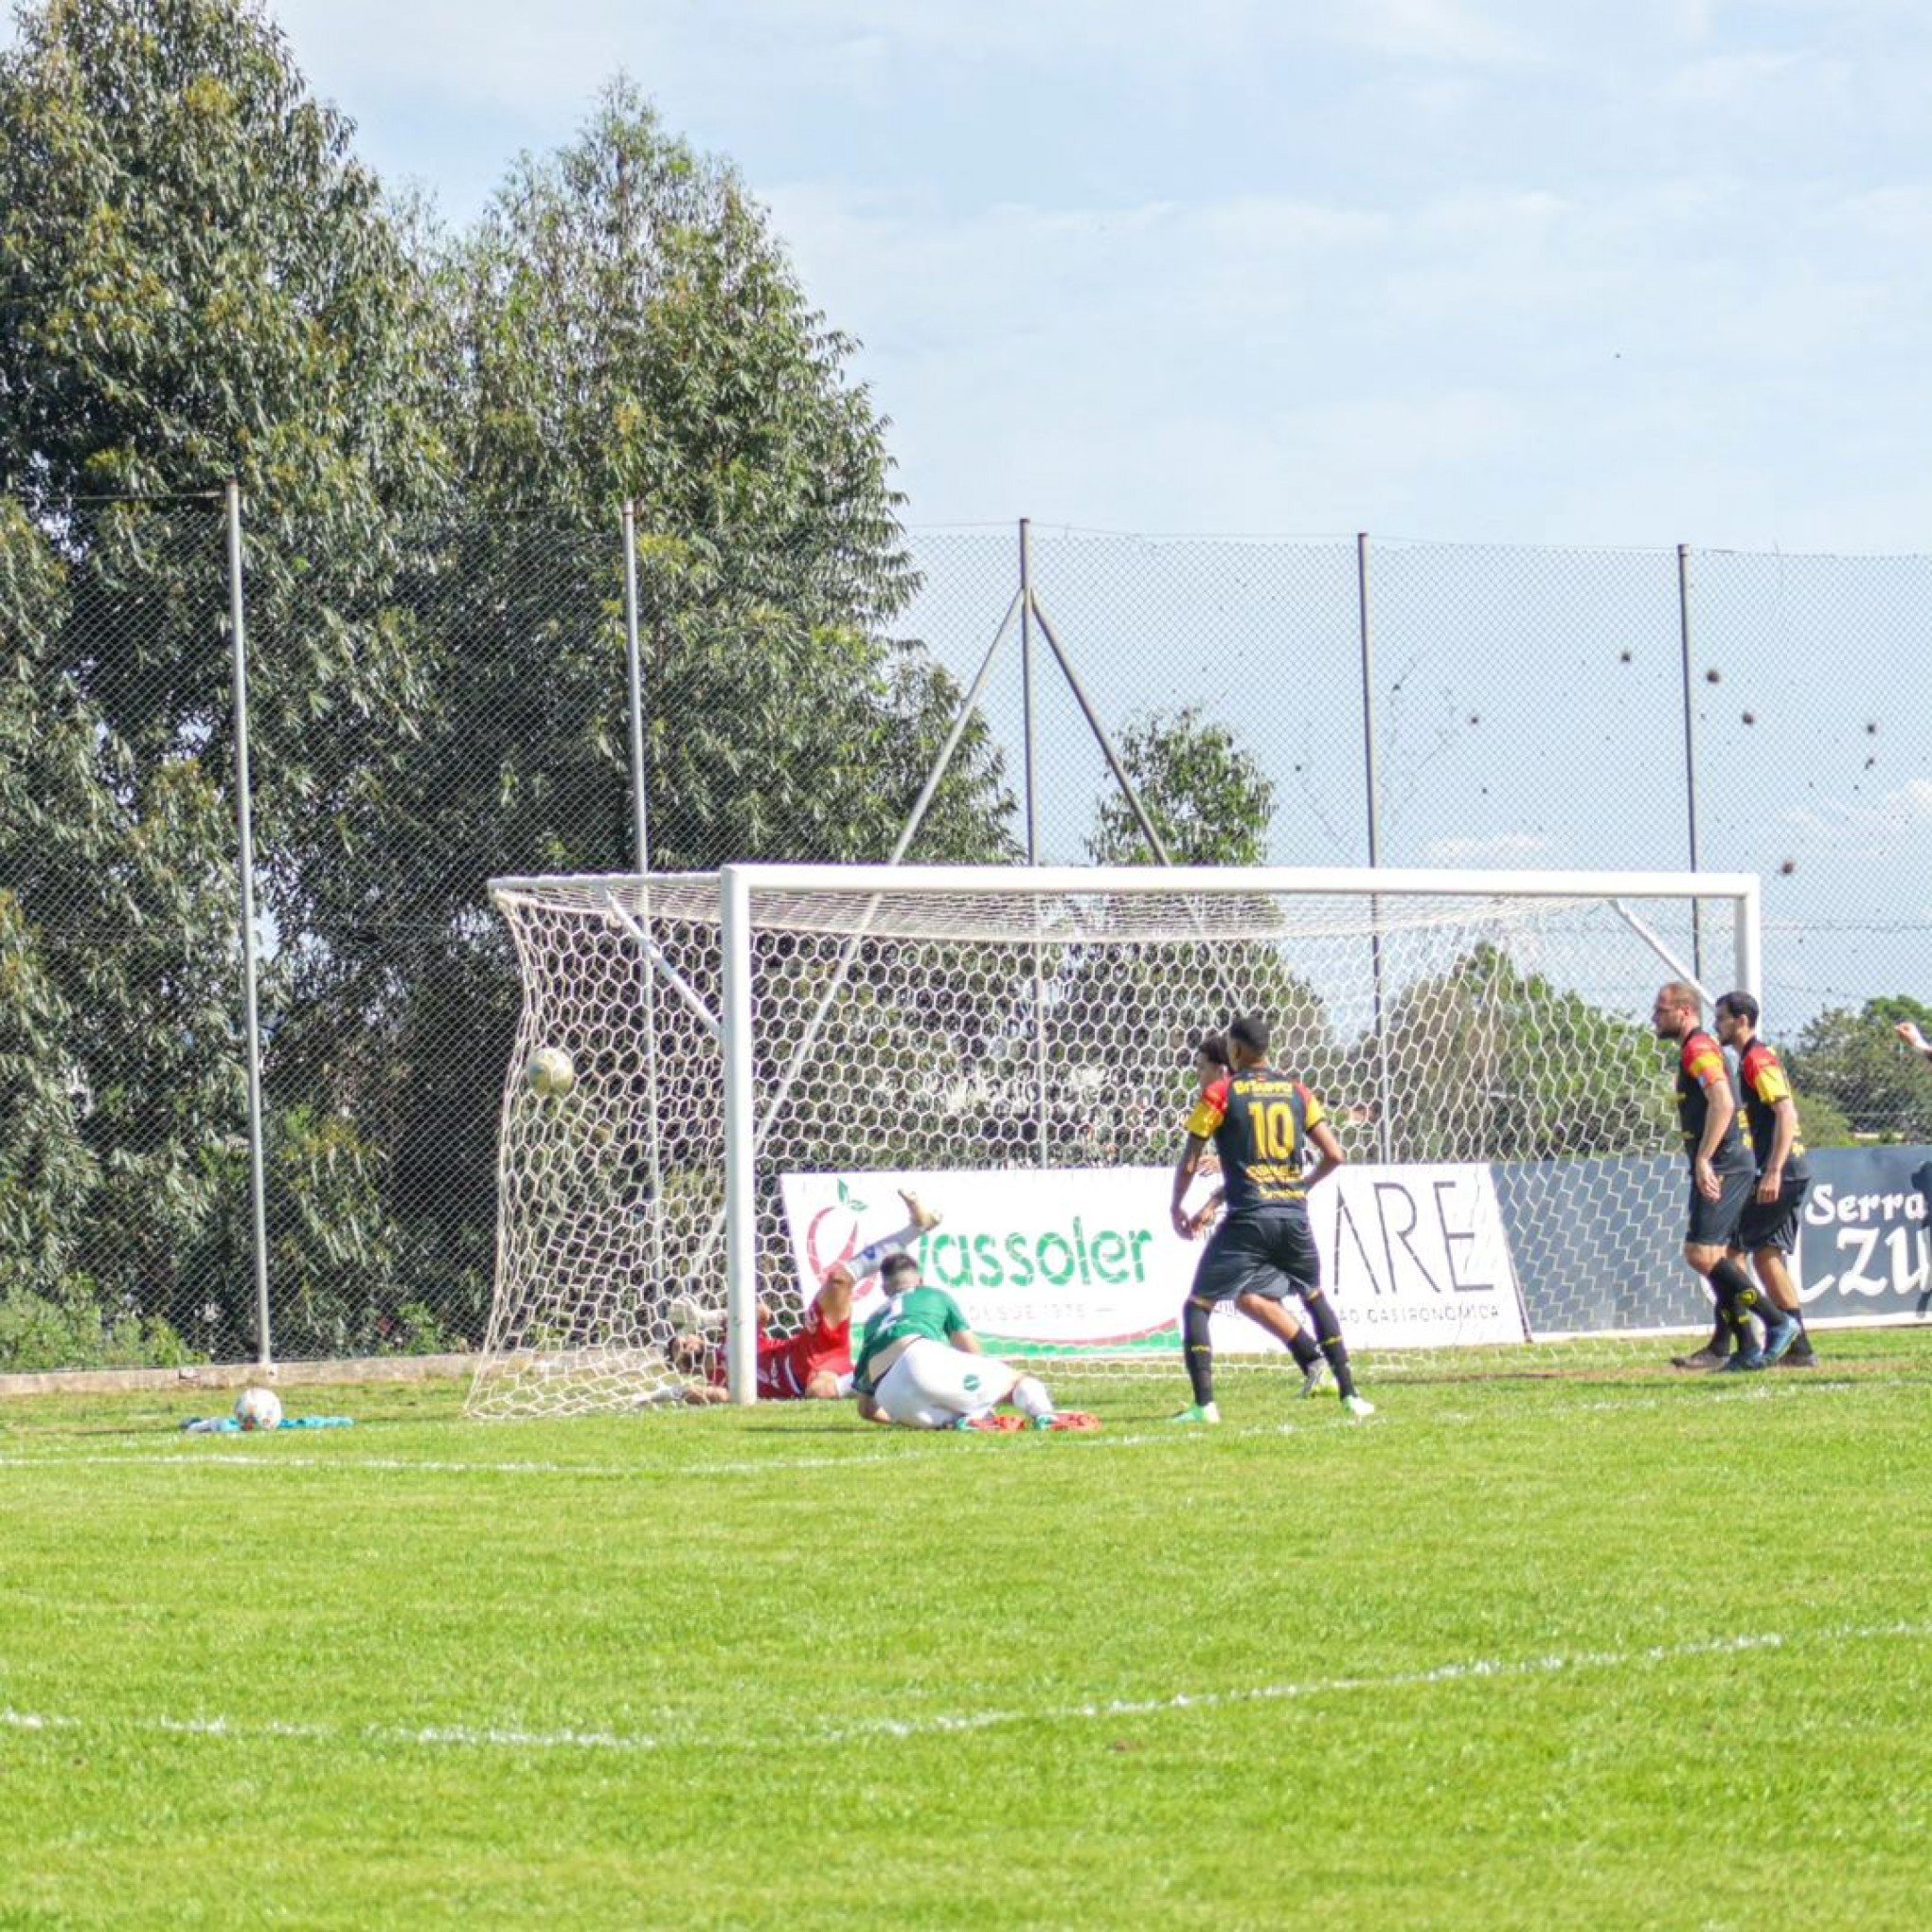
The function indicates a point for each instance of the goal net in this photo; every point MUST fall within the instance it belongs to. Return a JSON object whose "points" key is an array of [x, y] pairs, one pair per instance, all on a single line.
{"points": [[760, 1058]]}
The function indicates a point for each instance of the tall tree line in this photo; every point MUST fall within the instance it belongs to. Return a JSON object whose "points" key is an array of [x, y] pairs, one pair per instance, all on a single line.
{"points": [[432, 432]]}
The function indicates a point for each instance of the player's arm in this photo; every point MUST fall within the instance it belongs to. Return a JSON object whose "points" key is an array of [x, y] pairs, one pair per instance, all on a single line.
{"points": [[1184, 1170], [1783, 1138], [920, 1220], [1908, 1031], [834, 1300], [1211, 1110], [1329, 1148], [1203, 1215], [1718, 1108]]}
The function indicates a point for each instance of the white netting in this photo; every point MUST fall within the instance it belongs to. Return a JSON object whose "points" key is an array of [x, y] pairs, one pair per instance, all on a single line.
{"points": [[925, 1031]]}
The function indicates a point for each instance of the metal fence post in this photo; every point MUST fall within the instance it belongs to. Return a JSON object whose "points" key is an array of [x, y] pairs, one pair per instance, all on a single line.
{"points": [[1028, 724], [258, 1204], [1689, 751], [633, 658], [640, 853], [1372, 780]]}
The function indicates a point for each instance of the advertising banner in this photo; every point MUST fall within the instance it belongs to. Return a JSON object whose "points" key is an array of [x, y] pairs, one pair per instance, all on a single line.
{"points": [[1599, 1244], [1085, 1261], [1862, 1234]]}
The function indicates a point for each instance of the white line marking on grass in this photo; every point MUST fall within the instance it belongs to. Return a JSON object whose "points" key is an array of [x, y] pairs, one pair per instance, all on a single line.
{"points": [[270, 1455], [953, 1724]]}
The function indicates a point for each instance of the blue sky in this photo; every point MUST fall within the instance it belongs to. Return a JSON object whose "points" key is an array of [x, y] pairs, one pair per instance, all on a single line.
{"points": [[1591, 273], [1569, 282]]}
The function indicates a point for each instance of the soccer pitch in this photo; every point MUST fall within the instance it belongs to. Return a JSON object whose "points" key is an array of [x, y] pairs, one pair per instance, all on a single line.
{"points": [[1592, 1646]]}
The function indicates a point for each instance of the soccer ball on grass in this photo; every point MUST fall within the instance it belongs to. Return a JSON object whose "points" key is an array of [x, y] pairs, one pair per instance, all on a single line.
{"points": [[259, 1408], [550, 1072]]}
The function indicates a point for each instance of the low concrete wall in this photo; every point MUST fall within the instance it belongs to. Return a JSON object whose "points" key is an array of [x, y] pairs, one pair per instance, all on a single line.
{"points": [[240, 1374]]}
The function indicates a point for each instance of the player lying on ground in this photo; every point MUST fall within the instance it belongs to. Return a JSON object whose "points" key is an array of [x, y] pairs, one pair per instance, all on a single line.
{"points": [[814, 1363], [920, 1365], [1260, 1122], [1723, 1179], [1211, 1064]]}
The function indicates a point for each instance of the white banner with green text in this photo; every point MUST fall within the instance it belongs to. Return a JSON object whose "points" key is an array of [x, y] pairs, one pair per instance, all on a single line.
{"points": [[1084, 1261]]}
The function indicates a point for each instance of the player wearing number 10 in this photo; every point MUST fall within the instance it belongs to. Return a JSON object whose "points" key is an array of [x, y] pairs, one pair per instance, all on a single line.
{"points": [[1260, 1122]]}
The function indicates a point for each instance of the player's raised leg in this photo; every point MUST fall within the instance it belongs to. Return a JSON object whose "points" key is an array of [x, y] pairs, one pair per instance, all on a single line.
{"points": [[1273, 1316]]}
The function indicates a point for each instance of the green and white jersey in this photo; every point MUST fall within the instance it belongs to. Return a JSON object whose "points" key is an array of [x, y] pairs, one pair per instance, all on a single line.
{"points": [[928, 1313]]}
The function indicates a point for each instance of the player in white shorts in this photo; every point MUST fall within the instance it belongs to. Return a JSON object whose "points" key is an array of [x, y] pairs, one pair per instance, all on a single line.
{"points": [[920, 1365]]}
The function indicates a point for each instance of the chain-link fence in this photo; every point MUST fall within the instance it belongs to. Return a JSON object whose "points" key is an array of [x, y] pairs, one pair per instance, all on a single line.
{"points": [[454, 703]]}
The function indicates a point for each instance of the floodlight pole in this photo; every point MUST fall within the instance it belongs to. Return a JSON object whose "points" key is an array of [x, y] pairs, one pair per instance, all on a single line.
{"points": [[244, 827]]}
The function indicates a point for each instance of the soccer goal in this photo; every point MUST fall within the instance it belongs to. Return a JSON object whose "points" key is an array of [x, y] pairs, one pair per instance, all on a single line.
{"points": [[756, 1059]]}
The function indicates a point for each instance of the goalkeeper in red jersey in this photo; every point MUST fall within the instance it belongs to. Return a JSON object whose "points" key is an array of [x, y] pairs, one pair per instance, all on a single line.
{"points": [[814, 1362]]}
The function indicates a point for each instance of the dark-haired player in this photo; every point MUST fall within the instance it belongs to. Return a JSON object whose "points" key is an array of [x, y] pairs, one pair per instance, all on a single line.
{"points": [[1260, 1121], [920, 1365], [1211, 1064], [1767, 1229], [1721, 1180]]}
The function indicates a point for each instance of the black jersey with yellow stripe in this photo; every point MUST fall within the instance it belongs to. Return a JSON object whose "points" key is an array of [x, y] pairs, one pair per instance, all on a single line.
{"points": [[1762, 1076], [1259, 1121], [1700, 1067]]}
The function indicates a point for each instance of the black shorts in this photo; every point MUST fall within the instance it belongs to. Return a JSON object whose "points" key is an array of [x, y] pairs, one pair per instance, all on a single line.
{"points": [[1773, 1223], [1713, 1224], [1270, 1253]]}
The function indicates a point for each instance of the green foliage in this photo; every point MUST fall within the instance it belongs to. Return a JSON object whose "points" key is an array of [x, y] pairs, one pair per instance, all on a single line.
{"points": [[1206, 798], [40, 1333], [202, 283], [1824, 1123], [1517, 1069], [198, 280], [117, 1061], [1854, 1064], [628, 328]]}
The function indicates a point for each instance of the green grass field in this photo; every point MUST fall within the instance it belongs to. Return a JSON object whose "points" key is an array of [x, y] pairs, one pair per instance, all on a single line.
{"points": [[1594, 1645]]}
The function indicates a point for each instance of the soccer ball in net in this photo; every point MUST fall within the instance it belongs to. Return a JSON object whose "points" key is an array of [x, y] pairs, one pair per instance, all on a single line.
{"points": [[259, 1408], [550, 1072]]}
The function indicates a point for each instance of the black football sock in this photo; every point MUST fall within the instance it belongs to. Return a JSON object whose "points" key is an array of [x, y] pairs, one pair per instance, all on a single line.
{"points": [[1304, 1349], [1738, 1297], [1758, 1301], [1332, 1346], [1199, 1350]]}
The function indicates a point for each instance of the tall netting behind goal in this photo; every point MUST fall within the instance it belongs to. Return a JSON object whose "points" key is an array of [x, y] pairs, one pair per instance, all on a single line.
{"points": [[955, 1024]]}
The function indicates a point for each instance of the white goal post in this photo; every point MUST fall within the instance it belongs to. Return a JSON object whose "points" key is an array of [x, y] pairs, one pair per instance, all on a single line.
{"points": [[775, 1021]]}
